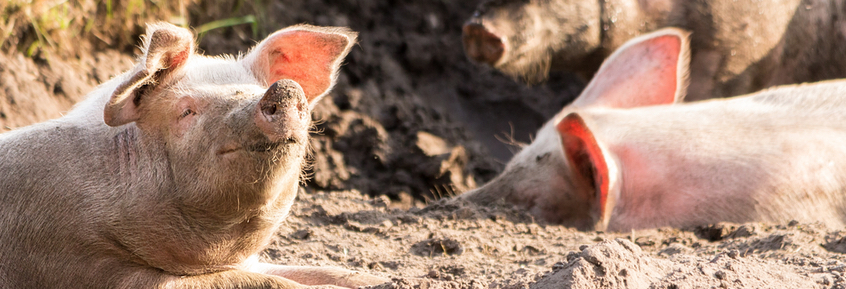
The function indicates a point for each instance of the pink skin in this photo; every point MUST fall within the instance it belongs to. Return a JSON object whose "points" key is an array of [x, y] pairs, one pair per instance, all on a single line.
{"points": [[172, 175], [625, 155]]}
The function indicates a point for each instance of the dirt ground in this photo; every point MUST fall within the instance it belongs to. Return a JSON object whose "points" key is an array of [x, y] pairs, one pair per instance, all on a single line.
{"points": [[412, 121], [448, 245]]}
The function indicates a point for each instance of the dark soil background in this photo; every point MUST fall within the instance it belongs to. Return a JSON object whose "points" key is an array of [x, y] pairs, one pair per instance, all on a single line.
{"points": [[410, 121], [411, 116]]}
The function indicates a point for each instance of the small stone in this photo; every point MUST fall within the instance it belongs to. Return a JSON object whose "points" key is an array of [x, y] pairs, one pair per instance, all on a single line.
{"points": [[559, 265]]}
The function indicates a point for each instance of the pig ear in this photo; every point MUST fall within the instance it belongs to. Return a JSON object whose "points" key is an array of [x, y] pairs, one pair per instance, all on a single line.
{"points": [[309, 55], [590, 166], [165, 50], [647, 70]]}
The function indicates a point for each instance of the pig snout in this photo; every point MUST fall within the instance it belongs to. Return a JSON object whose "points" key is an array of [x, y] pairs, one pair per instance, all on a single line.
{"points": [[282, 112], [482, 45]]}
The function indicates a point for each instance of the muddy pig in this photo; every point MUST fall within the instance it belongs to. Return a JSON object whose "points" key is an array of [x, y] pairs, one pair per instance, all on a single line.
{"points": [[737, 46], [626, 155], [174, 174]]}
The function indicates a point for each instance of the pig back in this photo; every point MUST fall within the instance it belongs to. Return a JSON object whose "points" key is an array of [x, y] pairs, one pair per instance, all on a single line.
{"points": [[44, 211], [777, 155]]}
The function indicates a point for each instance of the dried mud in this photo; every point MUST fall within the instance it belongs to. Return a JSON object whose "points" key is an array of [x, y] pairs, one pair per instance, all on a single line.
{"points": [[456, 245]]}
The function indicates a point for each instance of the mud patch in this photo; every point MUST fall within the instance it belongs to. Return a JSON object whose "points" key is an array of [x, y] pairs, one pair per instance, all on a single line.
{"points": [[609, 264], [436, 247], [502, 252], [34, 89]]}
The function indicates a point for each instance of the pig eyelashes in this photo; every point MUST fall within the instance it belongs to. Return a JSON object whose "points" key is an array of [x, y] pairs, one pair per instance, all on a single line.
{"points": [[187, 112]]}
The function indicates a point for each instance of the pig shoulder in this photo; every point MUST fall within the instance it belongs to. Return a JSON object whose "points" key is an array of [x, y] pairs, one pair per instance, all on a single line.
{"points": [[820, 96]]}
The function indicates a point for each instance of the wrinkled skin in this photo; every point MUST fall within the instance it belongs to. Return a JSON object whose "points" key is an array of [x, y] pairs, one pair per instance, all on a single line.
{"points": [[737, 47], [627, 155], [173, 174]]}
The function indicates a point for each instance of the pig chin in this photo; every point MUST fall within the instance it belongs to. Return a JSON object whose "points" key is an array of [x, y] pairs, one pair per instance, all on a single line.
{"points": [[527, 68]]}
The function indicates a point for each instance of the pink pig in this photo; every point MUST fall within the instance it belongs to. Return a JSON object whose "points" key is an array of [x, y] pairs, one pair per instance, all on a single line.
{"points": [[627, 155], [174, 174]]}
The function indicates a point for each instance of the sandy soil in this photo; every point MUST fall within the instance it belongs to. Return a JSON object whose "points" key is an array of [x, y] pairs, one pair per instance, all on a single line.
{"points": [[447, 245], [412, 121]]}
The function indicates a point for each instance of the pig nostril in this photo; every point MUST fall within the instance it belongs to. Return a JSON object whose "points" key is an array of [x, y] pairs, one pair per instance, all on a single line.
{"points": [[269, 109], [482, 45], [282, 95]]}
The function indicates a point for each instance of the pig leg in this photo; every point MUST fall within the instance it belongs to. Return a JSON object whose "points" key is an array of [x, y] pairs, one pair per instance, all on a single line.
{"points": [[231, 279], [309, 275], [249, 277]]}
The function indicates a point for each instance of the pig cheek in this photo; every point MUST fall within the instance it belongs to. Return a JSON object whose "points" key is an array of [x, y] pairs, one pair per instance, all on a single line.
{"points": [[182, 125], [549, 194], [192, 144], [186, 146], [540, 199], [528, 189]]}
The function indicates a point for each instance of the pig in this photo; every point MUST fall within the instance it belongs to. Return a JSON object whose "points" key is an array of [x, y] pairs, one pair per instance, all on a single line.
{"points": [[737, 46], [174, 174], [626, 154]]}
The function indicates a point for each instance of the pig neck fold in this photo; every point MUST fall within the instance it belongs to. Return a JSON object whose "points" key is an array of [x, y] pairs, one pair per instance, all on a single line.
{"points": [[126, 152]]}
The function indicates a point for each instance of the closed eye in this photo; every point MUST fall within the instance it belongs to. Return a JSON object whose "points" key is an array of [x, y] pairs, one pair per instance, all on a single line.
{"points": [[187, 112]]}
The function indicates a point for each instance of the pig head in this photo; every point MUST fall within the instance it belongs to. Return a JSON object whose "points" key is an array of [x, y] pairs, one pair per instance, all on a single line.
{"points": [[173, 174], [737, 47], [624, 155]]}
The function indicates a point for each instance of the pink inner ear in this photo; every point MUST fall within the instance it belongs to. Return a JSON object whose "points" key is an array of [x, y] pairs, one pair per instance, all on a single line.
{"points": [[305, 57], [583, 152], [179, 58], [639, 74]]}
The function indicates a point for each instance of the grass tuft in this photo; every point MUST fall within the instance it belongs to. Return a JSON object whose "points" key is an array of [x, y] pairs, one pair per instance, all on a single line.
{"points": [[229, 22], [69, 28]]}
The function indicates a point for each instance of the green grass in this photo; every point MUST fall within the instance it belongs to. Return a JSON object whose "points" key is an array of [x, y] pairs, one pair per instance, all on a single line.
{"points": [[229, 22], [66, 27]]}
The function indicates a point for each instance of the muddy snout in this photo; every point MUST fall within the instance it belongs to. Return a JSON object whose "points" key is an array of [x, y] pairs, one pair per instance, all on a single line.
{"points": [[282, 113], [480, 44]]}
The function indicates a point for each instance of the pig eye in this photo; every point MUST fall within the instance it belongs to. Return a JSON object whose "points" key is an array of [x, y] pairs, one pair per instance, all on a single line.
{"points": [[187, 112]]}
